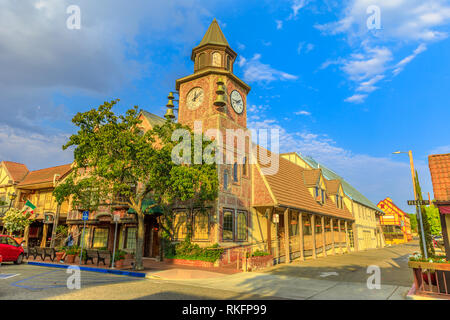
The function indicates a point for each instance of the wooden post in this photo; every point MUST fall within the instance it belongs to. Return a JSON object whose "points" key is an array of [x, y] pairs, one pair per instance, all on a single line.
{"points": [[347, 242], [44, 235], [55, 225], [26, 234], [332, 237], [340, 244], [301, 239], [324, 237], [355, 237], [313, 230], [269, 231], [287, 252]]}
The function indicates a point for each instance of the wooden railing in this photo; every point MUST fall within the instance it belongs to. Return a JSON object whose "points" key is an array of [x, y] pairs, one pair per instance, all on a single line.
{"points": [[431, 279]]}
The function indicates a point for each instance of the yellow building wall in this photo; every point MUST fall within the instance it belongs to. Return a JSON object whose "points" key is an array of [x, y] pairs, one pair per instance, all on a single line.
{"points": [[296, 159], [5, 188], [45, 202], [366, 225]]}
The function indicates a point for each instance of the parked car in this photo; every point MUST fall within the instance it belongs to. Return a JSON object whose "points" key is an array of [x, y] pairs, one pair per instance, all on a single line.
{"points": [[10, 250]]}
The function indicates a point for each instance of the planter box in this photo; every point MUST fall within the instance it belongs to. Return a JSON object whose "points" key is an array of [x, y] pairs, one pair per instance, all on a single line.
{"points": [[258, 263], [195, 263], [429, 265]]}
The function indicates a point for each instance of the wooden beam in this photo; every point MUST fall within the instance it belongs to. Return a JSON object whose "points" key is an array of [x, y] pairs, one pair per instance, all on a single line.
{"points": [[287, 252], [332, 236], [324, 237], [347, 242], [313, 230], [340, 244], [301, 236], [44, 235], [269, 230]]}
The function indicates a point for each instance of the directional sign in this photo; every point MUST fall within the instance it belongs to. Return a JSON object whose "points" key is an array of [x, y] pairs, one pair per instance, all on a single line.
{"points": [[418, 202], [85, 215]]}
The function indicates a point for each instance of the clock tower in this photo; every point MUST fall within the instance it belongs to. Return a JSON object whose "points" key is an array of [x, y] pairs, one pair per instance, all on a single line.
{"points": [[217, 98]]}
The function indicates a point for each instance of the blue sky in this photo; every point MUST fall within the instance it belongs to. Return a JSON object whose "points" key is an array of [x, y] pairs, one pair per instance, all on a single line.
{"points": [[339, 92]]}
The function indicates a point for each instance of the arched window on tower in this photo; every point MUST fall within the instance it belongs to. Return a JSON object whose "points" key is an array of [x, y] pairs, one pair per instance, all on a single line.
{"points": [[228, 63], [235, 172], [244, 167], [216, 59], [225, 180], [201, 61]]}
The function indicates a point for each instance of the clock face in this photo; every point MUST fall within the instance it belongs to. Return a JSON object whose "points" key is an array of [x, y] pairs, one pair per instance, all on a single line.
{"points": [[237, 102], [194, 98]]}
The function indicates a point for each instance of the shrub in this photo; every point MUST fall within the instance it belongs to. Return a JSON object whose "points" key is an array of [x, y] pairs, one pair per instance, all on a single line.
{"points": [[119, 255], [260, 253], [190, 251]]}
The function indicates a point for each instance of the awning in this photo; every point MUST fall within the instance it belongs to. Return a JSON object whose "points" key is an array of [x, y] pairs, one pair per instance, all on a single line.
{"points": [[444, 210], [145, 207]]}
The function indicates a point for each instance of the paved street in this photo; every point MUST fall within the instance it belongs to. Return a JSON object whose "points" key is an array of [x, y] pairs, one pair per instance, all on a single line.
{"points": [[336, 277]]}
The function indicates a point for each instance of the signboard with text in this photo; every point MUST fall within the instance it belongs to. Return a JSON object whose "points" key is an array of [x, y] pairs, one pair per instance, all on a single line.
{"points": [[418, 202]]}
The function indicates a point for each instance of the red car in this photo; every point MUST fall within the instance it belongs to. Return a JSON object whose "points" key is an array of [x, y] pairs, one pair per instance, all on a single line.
{"points": [[10, 250]]}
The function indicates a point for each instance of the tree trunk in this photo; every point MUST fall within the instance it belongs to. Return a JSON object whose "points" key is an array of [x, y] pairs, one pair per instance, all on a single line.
{"points": [[140, 241]]}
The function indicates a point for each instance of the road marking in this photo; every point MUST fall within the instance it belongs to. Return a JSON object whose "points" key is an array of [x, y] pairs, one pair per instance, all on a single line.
{"points": [[327, 274], [5, 276]]}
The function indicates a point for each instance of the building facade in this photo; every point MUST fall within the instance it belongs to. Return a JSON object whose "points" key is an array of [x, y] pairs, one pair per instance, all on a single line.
{"points": [[367, 233], [11, 173], [396, 224], [440, 176]]}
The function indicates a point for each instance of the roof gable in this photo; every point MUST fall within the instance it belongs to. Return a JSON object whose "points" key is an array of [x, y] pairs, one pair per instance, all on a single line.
{"points": [[17, 171], [45, 175]]}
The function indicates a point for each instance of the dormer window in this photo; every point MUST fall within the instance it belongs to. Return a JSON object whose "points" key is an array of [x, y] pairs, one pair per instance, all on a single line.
{"points": [[323, 196]]}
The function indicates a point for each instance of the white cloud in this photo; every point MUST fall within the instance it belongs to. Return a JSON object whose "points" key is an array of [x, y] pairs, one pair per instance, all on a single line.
{"points": [[303, 113], [296, 6], [256, 71], [279, 24], [375, 177], [356, 98], [440, 150], [403, 23], [309, 47], [401, 65], [35, 150]]}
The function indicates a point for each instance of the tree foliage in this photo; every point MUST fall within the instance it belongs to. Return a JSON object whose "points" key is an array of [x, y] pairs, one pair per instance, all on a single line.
{"points": [[426, 223], [15, 220], [117, 163]]}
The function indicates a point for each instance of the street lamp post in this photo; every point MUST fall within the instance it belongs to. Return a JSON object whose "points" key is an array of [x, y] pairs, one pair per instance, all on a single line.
{"points": [[418, 212], [12, 197]]}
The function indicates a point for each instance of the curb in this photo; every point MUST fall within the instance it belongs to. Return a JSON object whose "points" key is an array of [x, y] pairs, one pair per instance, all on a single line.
{"points": [[99, 270]]}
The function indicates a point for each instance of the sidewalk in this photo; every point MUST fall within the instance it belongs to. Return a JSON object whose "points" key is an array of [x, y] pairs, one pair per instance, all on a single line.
{"points": [[298, 288], [152, 269]]}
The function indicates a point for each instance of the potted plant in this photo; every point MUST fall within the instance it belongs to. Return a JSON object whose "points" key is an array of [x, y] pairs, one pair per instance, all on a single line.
{"points": [[71, 253], [59, 253], [119, 258]]}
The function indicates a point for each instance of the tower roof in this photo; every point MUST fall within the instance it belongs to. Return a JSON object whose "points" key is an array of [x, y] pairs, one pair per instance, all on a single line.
{"points": [[214, 35]]}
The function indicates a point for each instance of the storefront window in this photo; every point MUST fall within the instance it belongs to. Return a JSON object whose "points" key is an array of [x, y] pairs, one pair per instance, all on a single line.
{"points": [[100, 239], [180, 226], [130, 238], [227, 226], [242, 226], [307, 226], [201, 226]]}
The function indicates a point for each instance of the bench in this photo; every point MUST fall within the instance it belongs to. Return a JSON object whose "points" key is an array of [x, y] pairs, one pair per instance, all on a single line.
{"points": [[39, 252], [102, 255], [50, 252], [90, 254], [28, 251]]}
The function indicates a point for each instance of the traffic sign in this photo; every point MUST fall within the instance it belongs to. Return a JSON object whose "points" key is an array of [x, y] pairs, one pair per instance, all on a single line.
{"points": [[85, 215], [418, 202]]}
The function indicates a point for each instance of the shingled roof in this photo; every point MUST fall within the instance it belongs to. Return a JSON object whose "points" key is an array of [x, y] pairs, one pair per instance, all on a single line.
{"points": [[349, 190], [440, 175], [45, 175], [17, 171], [289, 189], [311, 177], [332, 186]]}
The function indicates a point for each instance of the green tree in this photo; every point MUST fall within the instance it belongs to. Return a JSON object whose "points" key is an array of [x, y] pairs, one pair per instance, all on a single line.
{"points": [[413, 219], [434, 220], [426, 223], [116, 162], [16, 221]]}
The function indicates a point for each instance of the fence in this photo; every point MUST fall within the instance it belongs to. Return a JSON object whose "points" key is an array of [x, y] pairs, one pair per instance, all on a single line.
{"points": [[431, 279]]}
